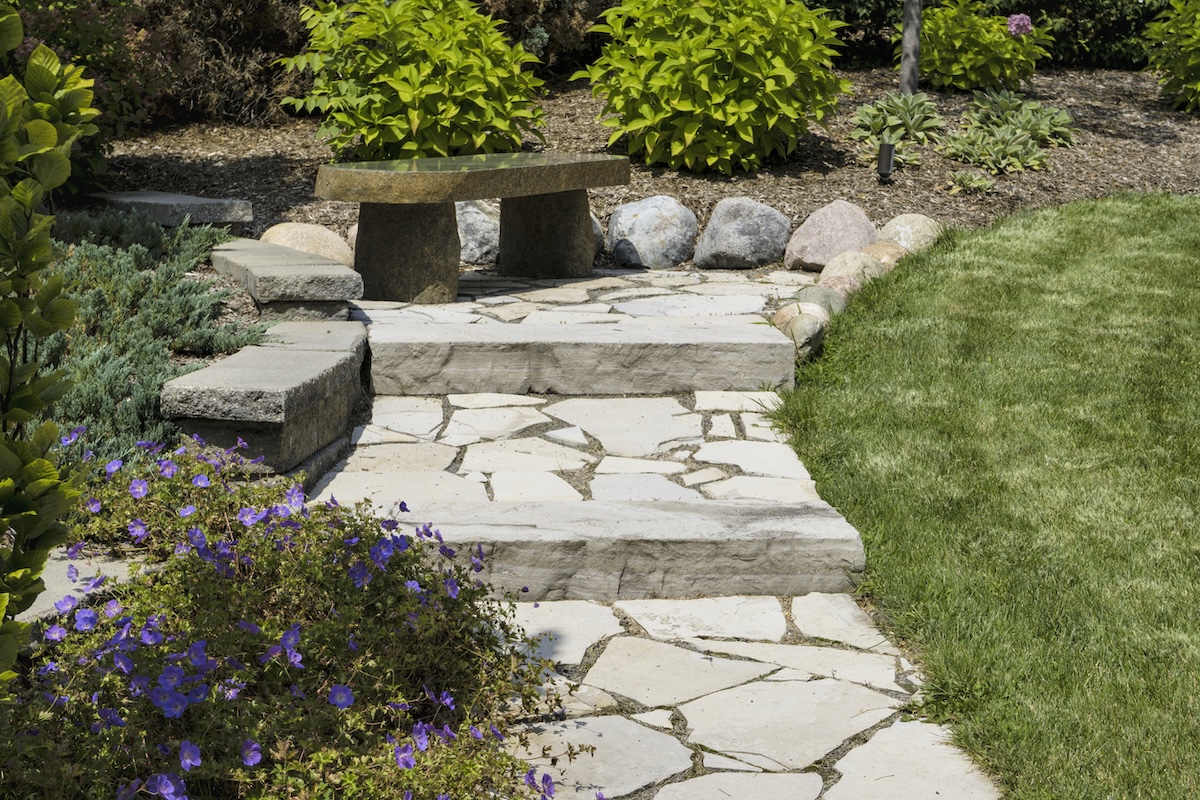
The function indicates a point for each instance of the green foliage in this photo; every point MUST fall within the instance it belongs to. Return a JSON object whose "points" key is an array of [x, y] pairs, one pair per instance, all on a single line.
{"points": [[273, 606], [1174, 48], [1089, 33], [971, 183], [964, 48], [415, 78], [897, 119], [555, 32], [716, 84], [141, 321], [40, 119], [1006, 133]]}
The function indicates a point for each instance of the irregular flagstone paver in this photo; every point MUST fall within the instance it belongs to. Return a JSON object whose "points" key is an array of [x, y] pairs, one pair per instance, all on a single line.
{"points": [[628, 756], [909, 761], [415, 489], [838, 618], [523, 455], [508, 487], [573, 625], [657, 674], [743, 617], [659, 718], [675, 305], [730, 289], [577, 700], [792, 723], [572, 318], [781, 490], [759, 427], [556, 294], [714, 761], [618, 465], [736, 401], [639, 488], [585, 308], [706, 475], [790, 278], [399, 457], [633, 294], [456, 314], [471, 425], [375, 434], [805, 786], [755, 458], [417, 416], [599, 283], [629, 426], [721, 427], [847, 665], [511, 312], [493, 400], [571, 436]]}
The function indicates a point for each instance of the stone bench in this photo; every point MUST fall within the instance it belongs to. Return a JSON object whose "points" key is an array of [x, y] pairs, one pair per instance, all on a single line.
{"points": [[408, 247]]}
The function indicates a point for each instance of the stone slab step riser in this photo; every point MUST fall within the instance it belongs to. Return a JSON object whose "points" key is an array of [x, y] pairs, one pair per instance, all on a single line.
{"points": [[613, 551], [623, 358]]}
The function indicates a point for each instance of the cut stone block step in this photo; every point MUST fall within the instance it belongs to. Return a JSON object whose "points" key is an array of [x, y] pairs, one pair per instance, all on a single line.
{"points": [[612, 551], [287, 282], [635, 357], [287, 398]]}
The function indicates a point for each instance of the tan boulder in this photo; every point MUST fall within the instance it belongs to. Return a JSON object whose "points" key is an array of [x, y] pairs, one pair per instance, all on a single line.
{"points": [[313, 239]]}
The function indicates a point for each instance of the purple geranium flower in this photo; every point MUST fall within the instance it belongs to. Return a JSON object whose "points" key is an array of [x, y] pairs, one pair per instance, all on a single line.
{"points": [[451, 588], [189, 755], [55, 633], [138, 488], [1020, 24], [167, 468], [201, 481], [112, 466], [168, 787], [187, 511], [65, 605], [251, 753], [112, 608], [93, 505], [341, 696], [72, 573], [85, 619], [404, 757], [137, 529]]}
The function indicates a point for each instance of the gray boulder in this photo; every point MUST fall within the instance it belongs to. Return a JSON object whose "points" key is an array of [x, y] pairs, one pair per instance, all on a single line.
{"points": [[478, 231], [597, 237], [808, 334], [832, 229], [658, 233], [913, 232], [832, 301], [742, 234], [859, 265]]}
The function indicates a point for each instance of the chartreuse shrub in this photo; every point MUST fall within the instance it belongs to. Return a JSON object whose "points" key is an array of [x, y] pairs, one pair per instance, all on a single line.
{"points": [[1003, 132], [715, 84], [962, 47], [1174, 47], [141, 320], [41, 118], [415, 78], [900, 120], [276, 651]]}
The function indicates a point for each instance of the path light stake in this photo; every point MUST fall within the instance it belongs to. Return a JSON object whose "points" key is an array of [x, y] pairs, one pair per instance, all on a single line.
{"points": [[885, 166]]}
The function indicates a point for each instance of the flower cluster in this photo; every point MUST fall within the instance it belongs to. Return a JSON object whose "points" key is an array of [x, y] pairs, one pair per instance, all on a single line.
{"points": [[1020, 25]]}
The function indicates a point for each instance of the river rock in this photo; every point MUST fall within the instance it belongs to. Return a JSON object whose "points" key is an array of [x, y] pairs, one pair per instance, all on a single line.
{"points": [[808, 334], [886, 252], [478, 231], [832, 301], [308, 238], [853, 263], [913, 232], [742, 234], [832, 229], [658, 233]]}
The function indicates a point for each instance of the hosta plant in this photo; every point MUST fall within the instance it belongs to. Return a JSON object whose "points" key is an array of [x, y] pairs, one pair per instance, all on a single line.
{"points": [[415, 78], [998, 149], [715, 84], [970, 183], [1173, 40], [1003, 132], [963, 47], [1049, 127], [900, 120]]}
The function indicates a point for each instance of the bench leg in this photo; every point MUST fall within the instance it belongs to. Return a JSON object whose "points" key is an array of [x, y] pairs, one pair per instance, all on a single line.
{"points": [[546, 236], [408, 252]]}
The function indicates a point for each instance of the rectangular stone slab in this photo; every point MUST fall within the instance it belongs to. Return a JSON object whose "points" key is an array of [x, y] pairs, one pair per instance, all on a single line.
{"points": [[479, 177], [623, 358], [272, 273], [170, 209], [611, 551]]}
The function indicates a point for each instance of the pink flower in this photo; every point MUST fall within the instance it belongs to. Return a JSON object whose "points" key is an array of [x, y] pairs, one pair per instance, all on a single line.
{"points": [[1020, 24]]}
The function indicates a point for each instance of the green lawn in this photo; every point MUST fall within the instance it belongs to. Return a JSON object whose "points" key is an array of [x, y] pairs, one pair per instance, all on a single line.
{"points": [[1012, 420]]}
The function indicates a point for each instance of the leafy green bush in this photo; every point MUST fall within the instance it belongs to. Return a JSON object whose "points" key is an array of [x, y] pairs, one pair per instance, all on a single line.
{"points": [[555, 32], [138, 314], [1174, 48], [1089, 33], [964, 48], [897, 119], [715, 84], [1003, 132], [415, 78], [278, 651]]}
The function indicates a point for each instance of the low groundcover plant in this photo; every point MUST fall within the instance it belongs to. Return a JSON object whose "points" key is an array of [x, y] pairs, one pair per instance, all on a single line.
{"points": [[270, 649]]}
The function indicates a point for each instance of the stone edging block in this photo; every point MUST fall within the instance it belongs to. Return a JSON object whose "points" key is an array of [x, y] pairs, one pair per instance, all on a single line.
{"points": [[273, 273]]}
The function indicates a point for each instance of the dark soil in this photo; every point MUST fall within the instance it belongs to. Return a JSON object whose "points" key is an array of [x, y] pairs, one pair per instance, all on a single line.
{"points": [[1128, 140]]}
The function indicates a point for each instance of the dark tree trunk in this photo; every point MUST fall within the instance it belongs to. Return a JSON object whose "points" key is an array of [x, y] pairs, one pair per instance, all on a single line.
{"points": [[910, 46]]}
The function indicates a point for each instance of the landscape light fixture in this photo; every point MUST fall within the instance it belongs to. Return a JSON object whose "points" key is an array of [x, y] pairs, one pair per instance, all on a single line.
{"points": [[886, 163]]}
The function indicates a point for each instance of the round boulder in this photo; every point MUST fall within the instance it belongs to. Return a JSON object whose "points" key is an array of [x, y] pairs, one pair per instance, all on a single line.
{"points": [[835, 228], [312, 239], [656, 233], [913, 232], [478, 231], [886, 252], [858, 265], [742, 234], [597, 237], [845, 285], [785, 314], [808, 333], [832, 301]]}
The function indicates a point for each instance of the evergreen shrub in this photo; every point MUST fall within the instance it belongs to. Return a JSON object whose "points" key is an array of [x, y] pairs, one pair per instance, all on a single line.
{"points": [[715, 84]]}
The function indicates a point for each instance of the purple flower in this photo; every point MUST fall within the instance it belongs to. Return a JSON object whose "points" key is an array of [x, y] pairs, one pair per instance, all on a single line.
{"points": [[291, 637], [187, 511], [360, 574], [476, 733], [202, 481], [168, 787], [451, 588], [85, 619], [112, 608], [138, 488], [251, 753], [353, 645], [70, 438], [297, 692], [295, 497], [47, 668], [341, 696], [404, 757], [293, 657], [72, 573], [171, 703], [129, 792], [74, 550], [496, 732], [248, 626], [195, 653], [171, 676], [531, 778], [112, 466], [93, 505], [137, 529], [55, 633], [65, 605], [167, 468], [95, 583], [446, 700], [547, 785], [123, 662], [1020, 24], [420, 736], [189, 755]]}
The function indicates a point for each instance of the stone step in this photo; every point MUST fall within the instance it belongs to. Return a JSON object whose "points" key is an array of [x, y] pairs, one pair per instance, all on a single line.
{"points": [[660, 355], [170, 210], [289, 283]]}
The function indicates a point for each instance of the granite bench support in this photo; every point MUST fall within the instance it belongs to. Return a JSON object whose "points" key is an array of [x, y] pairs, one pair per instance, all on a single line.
{"points": [[408, 248]]}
